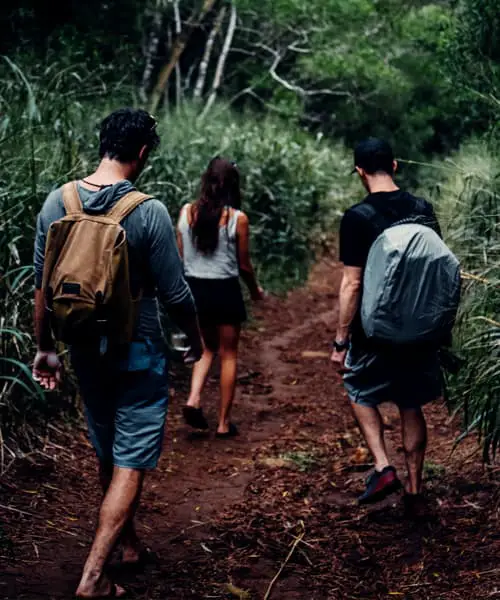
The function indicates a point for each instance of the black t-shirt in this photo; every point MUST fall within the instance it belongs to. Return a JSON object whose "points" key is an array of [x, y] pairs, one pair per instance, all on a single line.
{"points": [[358, 231]]}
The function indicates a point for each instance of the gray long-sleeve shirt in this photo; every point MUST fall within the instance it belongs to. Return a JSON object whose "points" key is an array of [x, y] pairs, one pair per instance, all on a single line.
{"points": [[155, 265]]}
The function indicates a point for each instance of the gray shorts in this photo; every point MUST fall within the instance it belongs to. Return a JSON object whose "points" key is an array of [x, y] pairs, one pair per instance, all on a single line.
{"points": [[409, 379], [125, 404]]}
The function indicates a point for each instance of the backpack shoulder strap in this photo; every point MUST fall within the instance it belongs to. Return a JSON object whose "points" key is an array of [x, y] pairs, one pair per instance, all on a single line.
{"points": [[126, 205], [71, 198], [371, 214]]}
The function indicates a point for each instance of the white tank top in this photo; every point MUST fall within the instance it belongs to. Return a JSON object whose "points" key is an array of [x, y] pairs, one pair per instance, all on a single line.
{"points": [[222, 263]]}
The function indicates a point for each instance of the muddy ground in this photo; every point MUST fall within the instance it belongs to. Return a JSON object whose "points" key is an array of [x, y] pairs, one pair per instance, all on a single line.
{"points": [[224, 516]]}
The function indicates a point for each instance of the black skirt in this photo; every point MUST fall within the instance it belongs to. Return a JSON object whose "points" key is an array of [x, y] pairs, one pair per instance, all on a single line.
{"points": [[218, 301]]}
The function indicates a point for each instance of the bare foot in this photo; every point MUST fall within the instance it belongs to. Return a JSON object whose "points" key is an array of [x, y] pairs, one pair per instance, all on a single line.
{"points": [[227, 430], [103, 588]]}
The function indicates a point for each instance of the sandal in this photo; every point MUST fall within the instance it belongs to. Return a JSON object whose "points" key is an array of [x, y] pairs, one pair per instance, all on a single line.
{"points": [[195, 417], [232, 432]]}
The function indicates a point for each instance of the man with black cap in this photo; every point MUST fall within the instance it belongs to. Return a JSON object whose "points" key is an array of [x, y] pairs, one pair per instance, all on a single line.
{"points": [[372, 374]]}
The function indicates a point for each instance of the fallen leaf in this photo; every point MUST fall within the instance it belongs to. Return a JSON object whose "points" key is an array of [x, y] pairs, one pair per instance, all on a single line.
{"points": [[347, 437], [237, 592], [360, 455]]}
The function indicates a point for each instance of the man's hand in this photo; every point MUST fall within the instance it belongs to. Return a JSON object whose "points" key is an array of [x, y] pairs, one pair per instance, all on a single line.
{"points": [[338, 359], [340, 348], [47, 369], [194, 353]]}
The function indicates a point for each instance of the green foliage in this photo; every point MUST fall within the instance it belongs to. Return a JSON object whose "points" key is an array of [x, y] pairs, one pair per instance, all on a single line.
{"points": [[361, 68], [422, 74], [472, 60], [468, 200], [304, 461]]}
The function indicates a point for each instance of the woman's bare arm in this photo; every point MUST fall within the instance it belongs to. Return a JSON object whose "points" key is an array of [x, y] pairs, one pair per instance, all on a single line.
{"points": [[179, 243], [244, 261]]}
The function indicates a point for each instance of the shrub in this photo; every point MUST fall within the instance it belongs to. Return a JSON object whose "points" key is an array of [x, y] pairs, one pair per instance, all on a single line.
{"points": [[468, 201]]}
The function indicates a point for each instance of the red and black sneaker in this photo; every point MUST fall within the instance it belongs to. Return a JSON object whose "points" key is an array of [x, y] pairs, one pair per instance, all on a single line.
{"points": [[379, 485]]}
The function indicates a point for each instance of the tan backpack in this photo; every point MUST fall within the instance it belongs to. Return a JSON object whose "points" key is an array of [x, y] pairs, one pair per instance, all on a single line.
{"points": [[86, 273]]}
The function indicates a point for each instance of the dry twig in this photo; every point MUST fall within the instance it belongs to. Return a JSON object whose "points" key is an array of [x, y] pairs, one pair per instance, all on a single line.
{"points": [[296, 542]]}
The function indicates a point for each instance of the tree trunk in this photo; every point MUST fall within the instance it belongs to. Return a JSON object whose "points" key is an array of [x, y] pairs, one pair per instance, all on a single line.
{"points": [[222, 61], [202, 75], [178, 31], [166, 95], [150, 53], [177, 50]]}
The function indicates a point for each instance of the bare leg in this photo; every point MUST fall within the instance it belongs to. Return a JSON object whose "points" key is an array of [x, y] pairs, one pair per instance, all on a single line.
{"points": [[229, 336], [372, 427], [129, 540], [414, 431], [199, 377], [202, 367], [117, 508]]}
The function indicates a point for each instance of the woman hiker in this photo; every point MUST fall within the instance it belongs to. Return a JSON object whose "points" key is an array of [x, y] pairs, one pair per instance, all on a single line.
{"points": [[213, 238]]}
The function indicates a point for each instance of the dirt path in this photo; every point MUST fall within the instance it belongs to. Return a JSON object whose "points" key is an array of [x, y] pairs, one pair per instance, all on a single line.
{"points": [[223, 516]]}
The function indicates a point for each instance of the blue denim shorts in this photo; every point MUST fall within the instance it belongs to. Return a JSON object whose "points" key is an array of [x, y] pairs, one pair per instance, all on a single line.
{"points": [[125, 403], [407, 378]]}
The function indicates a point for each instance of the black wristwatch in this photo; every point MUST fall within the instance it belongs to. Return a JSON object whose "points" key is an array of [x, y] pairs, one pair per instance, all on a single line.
{"points": [[341, 346]]}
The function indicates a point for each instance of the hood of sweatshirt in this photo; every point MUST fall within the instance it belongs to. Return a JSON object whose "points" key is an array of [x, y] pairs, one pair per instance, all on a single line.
{"points": [[103, 200]]}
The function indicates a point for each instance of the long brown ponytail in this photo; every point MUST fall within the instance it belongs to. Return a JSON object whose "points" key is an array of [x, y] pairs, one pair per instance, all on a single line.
{"points": [[220, 187]]}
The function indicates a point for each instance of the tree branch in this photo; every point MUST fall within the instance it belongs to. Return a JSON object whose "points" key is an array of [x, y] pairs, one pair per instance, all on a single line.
{"points": [[293, 87]]}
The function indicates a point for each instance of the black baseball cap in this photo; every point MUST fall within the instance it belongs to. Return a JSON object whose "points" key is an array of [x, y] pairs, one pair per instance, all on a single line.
{"points": [[374, 155]]}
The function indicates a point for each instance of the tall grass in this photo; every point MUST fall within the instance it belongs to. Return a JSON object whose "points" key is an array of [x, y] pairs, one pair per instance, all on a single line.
{"points": [[468, 201], [48, 135], [38, 148]]}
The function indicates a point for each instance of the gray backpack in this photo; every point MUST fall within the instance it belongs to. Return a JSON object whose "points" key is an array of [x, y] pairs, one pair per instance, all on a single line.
{"points": [[411, 286]]}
